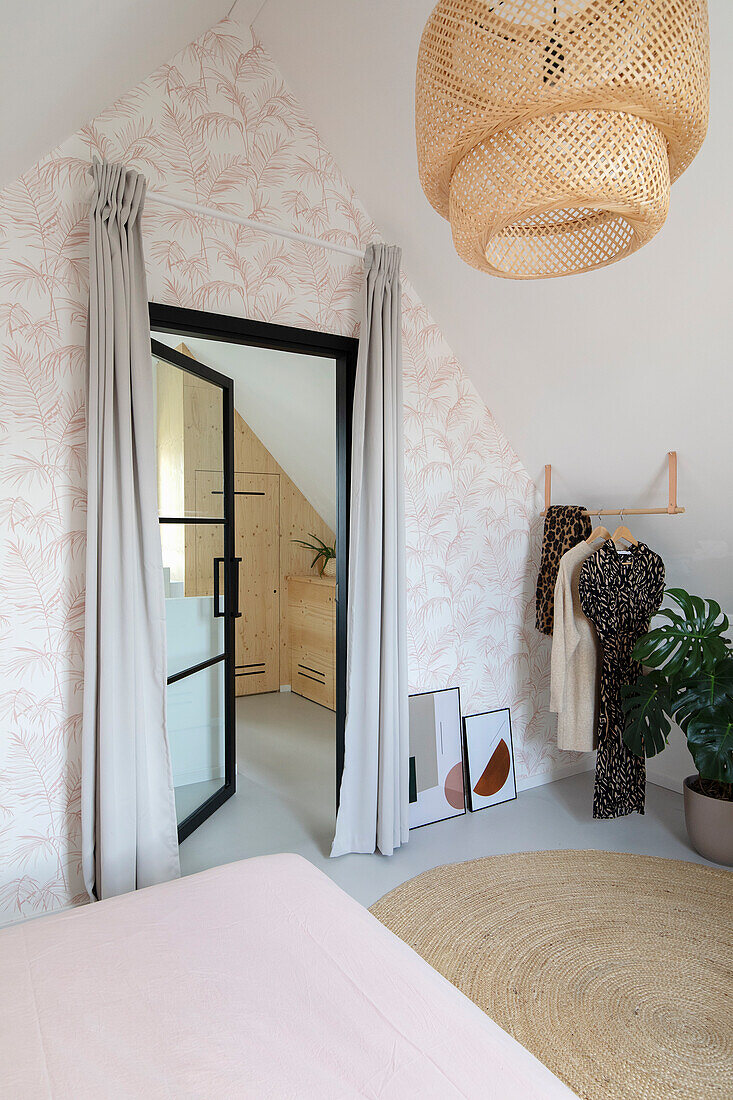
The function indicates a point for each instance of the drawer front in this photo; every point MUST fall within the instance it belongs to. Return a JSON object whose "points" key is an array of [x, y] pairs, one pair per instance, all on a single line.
{"points": [[312, 637], [314, 629], [313, 678]]}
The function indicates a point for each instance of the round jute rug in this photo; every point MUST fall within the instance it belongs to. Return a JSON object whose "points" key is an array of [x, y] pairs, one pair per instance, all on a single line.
{"points": [[614, 970]]}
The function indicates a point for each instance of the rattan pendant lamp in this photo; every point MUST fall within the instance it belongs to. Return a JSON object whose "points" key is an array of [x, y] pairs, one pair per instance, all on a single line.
{"points": [[548, 133]]}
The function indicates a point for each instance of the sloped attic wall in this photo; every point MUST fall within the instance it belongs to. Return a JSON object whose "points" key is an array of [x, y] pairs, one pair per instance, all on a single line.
{"points": [[289, 402], [219, 127]]}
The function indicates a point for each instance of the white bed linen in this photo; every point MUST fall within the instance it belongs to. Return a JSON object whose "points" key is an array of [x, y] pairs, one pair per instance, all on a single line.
{"points": [[256, 979]]}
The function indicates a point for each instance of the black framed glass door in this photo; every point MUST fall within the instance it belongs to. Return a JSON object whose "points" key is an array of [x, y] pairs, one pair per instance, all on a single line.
{"points": [[195, 469]]}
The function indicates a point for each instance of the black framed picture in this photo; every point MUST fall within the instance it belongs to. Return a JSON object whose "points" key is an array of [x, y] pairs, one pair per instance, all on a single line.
{"points": [[436, 757], [489, 759]]}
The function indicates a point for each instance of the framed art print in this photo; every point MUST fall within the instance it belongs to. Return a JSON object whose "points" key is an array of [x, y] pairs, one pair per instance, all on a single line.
{"points": [[489, 759], [436, 757]]}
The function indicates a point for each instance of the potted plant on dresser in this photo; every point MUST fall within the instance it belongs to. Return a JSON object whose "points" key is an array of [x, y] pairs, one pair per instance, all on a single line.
{"points": [[690, 681], [325, 555]]}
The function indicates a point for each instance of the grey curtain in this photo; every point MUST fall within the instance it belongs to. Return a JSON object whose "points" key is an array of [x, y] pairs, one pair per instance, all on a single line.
{"points": [[128, 818], [374, 809]]}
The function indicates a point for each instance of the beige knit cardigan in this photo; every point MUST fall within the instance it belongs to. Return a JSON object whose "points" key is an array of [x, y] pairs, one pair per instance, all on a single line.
{"points": [[575, 662]]}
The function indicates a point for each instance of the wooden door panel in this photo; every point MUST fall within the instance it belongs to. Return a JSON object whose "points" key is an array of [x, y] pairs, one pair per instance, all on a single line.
{"points": [[257, 541], [202, 455]]}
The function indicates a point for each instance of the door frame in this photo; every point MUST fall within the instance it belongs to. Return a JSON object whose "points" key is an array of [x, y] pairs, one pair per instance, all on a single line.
{"points": [[343, 350], [200, 370]]}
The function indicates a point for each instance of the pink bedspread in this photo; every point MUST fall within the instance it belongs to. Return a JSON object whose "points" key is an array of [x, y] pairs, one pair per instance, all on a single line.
{"points": [[257, 979]]}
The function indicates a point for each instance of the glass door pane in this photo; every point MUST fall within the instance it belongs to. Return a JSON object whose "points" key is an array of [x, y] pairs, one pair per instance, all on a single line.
{"points": [[194, 437], [193, 576], [189, 439], [196, 733]]}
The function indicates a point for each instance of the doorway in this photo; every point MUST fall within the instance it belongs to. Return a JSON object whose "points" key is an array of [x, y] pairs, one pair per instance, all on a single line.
{"points": [[282, 479]]}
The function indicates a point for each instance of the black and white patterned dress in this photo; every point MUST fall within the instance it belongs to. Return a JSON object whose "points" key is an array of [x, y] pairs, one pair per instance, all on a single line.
{"points": [[619, 593]]}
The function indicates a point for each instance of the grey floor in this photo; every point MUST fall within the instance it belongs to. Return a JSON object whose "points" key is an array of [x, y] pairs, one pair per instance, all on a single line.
{"points": [[190, 796], [285, 802]]}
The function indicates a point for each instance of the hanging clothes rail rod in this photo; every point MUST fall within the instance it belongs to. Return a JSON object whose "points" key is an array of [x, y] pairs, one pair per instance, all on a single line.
{"points": [[672, 508], [251, 223]]}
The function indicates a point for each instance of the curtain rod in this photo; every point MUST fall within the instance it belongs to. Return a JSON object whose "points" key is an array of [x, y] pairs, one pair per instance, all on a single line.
{"points": [[250, 223]]}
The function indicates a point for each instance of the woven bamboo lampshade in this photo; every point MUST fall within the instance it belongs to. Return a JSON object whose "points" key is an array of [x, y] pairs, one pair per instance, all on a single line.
{"points": [[548, 133]]}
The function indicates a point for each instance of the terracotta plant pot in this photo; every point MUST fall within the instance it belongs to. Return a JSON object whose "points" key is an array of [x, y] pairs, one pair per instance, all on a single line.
{"points": [[709, 824]]}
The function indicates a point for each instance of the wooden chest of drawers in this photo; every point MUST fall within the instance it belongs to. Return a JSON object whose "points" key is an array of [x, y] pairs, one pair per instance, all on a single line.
{"points": [[312, 628]]}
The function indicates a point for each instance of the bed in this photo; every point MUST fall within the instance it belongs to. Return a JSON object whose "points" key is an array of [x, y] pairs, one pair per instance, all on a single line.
{"points": [[255, 979]]}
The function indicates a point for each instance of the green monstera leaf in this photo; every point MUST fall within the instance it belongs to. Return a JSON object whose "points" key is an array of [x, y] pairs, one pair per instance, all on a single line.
{"points": [[687, 643], [646, 705], [691, 680], [712, 688], [710, 740]]}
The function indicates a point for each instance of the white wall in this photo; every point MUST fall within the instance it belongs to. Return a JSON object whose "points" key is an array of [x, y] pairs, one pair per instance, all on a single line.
{"points": [[85, 53], [671, 766]]}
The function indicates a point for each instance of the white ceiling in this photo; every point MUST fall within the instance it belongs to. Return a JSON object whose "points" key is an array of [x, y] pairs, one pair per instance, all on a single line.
{"points": [[599, 374], [289, 402], [64, 61]]}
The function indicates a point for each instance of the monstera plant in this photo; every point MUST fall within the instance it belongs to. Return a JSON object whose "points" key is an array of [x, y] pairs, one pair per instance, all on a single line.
{"points": [[690, 681]]}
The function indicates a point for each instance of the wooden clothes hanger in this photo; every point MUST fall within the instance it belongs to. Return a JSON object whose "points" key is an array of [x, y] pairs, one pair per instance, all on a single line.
{"points": [[622, 532], [599, 532]]}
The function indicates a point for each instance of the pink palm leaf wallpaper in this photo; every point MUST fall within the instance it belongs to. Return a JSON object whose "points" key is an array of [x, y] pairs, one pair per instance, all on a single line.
{"points": [[218, 126]]}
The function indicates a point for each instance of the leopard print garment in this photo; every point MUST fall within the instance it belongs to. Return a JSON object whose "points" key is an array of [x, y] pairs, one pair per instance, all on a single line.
{"points": [[619, 594], [565, 527]]}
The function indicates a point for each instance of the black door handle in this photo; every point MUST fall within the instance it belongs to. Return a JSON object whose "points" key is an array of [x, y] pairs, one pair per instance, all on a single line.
{"points": [[236, 613], [217, 613]]}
